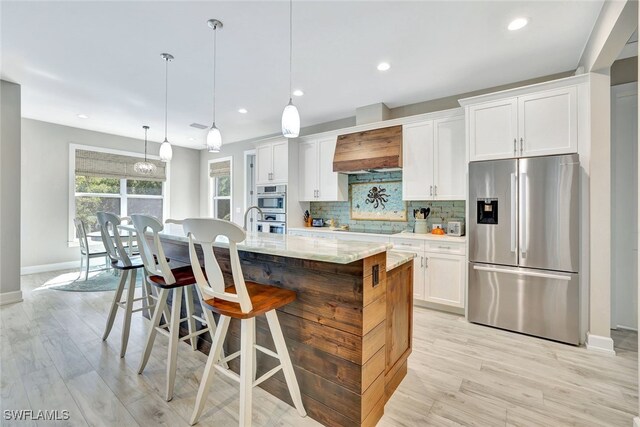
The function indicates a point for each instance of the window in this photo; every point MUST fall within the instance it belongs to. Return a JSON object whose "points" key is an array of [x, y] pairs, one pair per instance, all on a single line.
{"points": [[220, 188], [105, 181]]}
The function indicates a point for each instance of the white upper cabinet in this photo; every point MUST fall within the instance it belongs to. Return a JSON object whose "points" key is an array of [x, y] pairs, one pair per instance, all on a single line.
{"points": [[548, 122], [542, 122], [272, 163], [449, 153], [493, 129], [318, 181], [433, 160], [417, 161]]}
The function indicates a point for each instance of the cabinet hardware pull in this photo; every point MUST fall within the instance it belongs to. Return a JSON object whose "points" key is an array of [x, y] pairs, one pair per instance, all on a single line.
{"points": [[431, 190], [421, 262], [435, 190], [444, 247], [521, 145], [515, 146], [426, 262]]}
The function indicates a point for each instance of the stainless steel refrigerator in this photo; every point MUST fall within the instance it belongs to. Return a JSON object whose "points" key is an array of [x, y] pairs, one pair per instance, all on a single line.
{"points": [[524, 246]]}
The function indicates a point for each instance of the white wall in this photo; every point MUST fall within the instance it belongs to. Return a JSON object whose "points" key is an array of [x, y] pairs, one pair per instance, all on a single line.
{"points": [[9, 193], [45, 186]]}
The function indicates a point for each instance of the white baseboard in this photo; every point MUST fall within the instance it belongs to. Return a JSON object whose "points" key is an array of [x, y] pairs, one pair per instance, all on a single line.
{"points": [[49, 267], [636, 422], [600, 344], [10, 297]]}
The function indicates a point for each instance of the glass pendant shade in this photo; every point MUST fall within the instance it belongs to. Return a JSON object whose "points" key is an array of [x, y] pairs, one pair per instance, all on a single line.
{"points": [[166, 152], [290, 121], [214, 139]]}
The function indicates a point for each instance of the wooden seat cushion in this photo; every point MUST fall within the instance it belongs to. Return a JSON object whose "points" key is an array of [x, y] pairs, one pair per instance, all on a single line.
{"points": [[263, 298], [183, 275]]}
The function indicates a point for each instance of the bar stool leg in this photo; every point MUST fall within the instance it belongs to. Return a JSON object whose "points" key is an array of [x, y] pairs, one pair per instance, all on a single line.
{"points": [[174, 338], [127, 312], [146, 297], [155, 322], [114, 306], [211, 323], [191, 322], [214, 356], [285, 360], [247, 336], [88, 262]]}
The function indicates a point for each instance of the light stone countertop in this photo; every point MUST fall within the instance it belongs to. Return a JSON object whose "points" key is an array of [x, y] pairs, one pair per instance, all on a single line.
{"points": [[400, 235], [397, 258], [326, 250]]}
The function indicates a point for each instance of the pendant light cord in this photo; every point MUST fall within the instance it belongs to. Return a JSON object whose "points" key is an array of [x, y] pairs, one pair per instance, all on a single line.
{"points": [[290, 48], [145, 143], [166, 96], [215, 30]]}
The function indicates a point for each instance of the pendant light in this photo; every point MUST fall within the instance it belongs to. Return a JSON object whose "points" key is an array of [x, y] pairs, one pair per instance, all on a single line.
{"points": [[214, 137], [146, 167], [166, 153], [290, 116]]}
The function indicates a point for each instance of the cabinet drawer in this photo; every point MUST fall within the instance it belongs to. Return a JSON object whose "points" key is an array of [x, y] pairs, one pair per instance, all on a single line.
{"points": [[410, 245], [445, 247]]}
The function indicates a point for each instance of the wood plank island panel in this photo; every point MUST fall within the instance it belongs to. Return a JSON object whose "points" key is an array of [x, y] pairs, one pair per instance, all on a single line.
{"points": [[337, 330]]}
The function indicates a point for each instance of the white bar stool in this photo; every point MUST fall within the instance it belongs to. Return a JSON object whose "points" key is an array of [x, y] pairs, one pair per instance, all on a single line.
{"points": [[128, 266], [245, 302], [179, 281]]}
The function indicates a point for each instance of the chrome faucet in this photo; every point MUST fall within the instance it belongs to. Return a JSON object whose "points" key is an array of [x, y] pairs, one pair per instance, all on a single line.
{"points": [[247, 214]]}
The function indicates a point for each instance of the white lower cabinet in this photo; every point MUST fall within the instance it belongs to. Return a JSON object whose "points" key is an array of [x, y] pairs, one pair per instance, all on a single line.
{"points": [[444, 279]]}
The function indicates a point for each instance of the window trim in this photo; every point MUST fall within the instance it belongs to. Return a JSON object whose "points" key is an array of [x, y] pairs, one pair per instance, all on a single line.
{"points": [[210, 200], [71, 239]]}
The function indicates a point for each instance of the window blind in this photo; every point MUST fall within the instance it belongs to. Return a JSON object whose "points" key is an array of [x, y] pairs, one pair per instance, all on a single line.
{"points": [[107, 165], [220, 169]]}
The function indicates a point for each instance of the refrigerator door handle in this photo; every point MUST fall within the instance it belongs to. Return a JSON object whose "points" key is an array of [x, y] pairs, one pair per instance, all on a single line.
{"points": [[522, 273], [513, 212], [523, 214]]}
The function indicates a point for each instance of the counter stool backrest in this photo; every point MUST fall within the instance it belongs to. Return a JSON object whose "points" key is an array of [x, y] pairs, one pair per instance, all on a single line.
{"points": [[111, 237], [204, 232], [152, 253], [81, 233]]}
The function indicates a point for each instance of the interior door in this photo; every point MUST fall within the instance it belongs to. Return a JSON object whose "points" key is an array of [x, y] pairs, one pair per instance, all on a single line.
{"points": [[280, 162], [549, 212], [264, 163], [327, 178], [548, 122], [493, 212], [417, 161], [493, 130], [449, 154], [308, 170]]}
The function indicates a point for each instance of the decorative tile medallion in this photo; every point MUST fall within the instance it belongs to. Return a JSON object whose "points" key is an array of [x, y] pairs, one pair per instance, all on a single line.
{"points": [[378, 201]]}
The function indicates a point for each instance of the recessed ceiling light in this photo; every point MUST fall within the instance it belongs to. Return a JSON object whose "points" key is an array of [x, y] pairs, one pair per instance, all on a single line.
{"points": [[83, 116], [383, 66], [298, 92], [242, 111], [518, 23], [191, 138]]}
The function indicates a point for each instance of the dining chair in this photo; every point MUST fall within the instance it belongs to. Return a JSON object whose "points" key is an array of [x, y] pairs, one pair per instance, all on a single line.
{"points": [[86, 253], [243, 301], [128, 267], [179, 281]]}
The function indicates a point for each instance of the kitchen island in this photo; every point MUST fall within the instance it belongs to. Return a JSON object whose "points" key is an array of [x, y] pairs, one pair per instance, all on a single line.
{"points": [[349, 330]]}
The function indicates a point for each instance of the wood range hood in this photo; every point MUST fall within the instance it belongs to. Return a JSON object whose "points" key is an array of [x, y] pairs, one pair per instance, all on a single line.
{"points": [[369, 151]]}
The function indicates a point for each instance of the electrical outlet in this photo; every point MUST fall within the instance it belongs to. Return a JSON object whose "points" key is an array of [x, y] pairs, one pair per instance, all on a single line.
{"points": [[436, 226]]}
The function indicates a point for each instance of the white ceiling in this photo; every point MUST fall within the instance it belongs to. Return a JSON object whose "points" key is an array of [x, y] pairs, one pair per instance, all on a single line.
{"points": [[103, 58]]}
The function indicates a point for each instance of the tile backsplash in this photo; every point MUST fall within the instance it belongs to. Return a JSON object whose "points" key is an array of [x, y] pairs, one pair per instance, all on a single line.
{"points": [[441, 211]]}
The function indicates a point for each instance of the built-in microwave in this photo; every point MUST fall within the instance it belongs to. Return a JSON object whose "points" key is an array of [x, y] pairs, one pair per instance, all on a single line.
{"points": [[272, 198]]}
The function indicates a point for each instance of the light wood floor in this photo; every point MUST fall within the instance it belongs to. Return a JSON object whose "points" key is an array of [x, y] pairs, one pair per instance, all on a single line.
{"points": [[52, 357]]}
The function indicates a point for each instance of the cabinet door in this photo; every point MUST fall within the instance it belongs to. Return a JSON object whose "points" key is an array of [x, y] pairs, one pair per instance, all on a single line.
{"points": [[308, 170], [444, 279], [548, 122], [493, 130], [264, 162], [417, 161], [449, 153], [418, 277], [332, 186], [280, 168]]}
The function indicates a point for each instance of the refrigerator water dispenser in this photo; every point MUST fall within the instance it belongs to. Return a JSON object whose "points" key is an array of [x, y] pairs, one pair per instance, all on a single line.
{"points": [[487, 211]]}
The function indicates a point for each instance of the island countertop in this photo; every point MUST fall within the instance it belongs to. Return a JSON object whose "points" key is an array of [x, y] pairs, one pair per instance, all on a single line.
{"points": [[327, 250]]}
